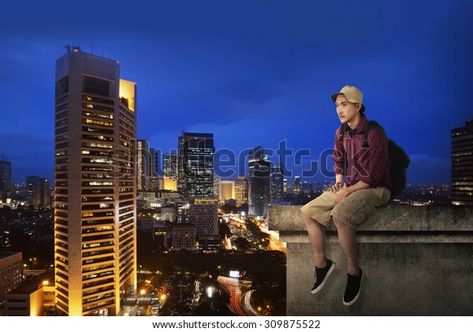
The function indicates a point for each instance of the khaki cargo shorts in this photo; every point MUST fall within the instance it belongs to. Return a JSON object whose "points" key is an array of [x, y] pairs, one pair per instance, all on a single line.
{"points": [[353, 210]]}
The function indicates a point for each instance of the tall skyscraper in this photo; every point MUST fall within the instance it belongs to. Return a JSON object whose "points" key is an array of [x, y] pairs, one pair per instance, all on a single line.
{"points": [[143, 165], [154, 161], [462, 165], [195, 165], [170, 165], [277, 183], [5, 180], [241, 190], [154, 169], [258, 183], [217, 180], [95, 185], [227, 190], [297, 184], [38, 191]]}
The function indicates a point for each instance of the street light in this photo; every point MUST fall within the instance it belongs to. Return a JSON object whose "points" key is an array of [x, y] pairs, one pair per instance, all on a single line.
{"points": [[143, 292]]}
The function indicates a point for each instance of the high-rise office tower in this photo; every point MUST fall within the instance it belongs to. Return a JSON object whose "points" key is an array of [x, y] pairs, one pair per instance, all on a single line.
{"points": [[195, 165], [297, 184], [217, 180], [154, 161], [5, 180], [170, 165], [241, 190], [227, 190], [258, 183], [154, 169], [462, 165], [143, 165], [95, 185], [38, 191], [277, 183]]}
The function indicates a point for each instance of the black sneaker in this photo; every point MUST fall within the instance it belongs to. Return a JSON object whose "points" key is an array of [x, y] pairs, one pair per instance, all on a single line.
{"points": [[352, 291], [321, 276]]}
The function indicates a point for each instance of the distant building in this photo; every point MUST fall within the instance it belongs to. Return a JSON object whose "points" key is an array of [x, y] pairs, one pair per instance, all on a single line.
{"points": [[227, 190], [11, 272], [205, 219], [277, 183], [297, 184], [462, 165], [195, 165], [39, 193], [147, 199], [5, 180], [217, 180], [284, 185], [154, 181], [143, 169], [259, 192], [241, 190], [183, 237], [31, 297], [307, 187], [170, 165], [169, 183]]}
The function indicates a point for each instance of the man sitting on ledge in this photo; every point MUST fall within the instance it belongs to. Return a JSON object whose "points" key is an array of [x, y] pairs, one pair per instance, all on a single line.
{"points": [[361, 155]]}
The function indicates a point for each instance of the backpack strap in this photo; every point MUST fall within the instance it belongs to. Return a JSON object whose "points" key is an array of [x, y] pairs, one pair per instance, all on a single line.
{"points": [[368, 127], [343, 129]]}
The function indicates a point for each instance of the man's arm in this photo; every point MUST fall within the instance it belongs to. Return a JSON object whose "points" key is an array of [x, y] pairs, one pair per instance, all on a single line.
{"points": [[351, 189], [357, 186], [338, 156]]}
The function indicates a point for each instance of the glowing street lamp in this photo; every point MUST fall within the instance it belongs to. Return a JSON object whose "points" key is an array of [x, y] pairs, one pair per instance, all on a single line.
{"points": [[143, 292]]}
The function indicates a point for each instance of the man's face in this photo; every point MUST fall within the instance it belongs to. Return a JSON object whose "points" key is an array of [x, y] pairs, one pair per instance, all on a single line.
{"points": [[346, 111]]}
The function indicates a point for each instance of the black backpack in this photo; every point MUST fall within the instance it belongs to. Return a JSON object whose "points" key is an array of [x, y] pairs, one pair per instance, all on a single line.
{"points": [[398, 159]]}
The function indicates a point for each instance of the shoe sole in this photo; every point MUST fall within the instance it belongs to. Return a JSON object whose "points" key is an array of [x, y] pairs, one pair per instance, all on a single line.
{"points": [[347, 304], [318, 289]]}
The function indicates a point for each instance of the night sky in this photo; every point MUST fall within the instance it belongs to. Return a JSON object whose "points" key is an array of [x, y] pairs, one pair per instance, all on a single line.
{"points": [[251, 72]]}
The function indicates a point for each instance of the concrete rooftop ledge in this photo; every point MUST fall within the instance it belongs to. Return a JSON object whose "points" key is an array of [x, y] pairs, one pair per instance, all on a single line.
{"points": [[400, 218], [416, 261]]}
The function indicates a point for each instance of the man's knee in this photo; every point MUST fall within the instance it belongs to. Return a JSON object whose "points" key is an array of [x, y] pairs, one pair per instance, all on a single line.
{"points": [[309, 220], [338, 223]]}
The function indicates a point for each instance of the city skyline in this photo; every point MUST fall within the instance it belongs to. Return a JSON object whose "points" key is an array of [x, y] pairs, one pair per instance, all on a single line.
{"points": [[210, 73]]}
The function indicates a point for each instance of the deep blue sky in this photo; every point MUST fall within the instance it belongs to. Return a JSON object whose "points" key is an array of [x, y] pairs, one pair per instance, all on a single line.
{"points": [[251, 72]]}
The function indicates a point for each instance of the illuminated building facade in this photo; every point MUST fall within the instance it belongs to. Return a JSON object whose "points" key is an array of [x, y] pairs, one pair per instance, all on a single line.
{"points": [[38, 191], [258, 183], [170, 164], [241, 190], [195, 165], [462, 165], [277, 183], [5, 180], [95, 185], [227, 190]]}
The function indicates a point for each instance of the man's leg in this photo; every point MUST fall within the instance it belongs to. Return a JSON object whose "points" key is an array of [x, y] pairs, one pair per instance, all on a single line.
{"points": [[347, 238], [317, 240]]}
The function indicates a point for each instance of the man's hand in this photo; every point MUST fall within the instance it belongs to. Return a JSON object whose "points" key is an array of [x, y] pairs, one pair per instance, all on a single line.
{"points": [[341, 195], [336, 187]]}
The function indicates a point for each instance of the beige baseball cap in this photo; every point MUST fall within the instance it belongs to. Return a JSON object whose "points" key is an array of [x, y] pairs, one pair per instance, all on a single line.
{"points": [[351, 93]]}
